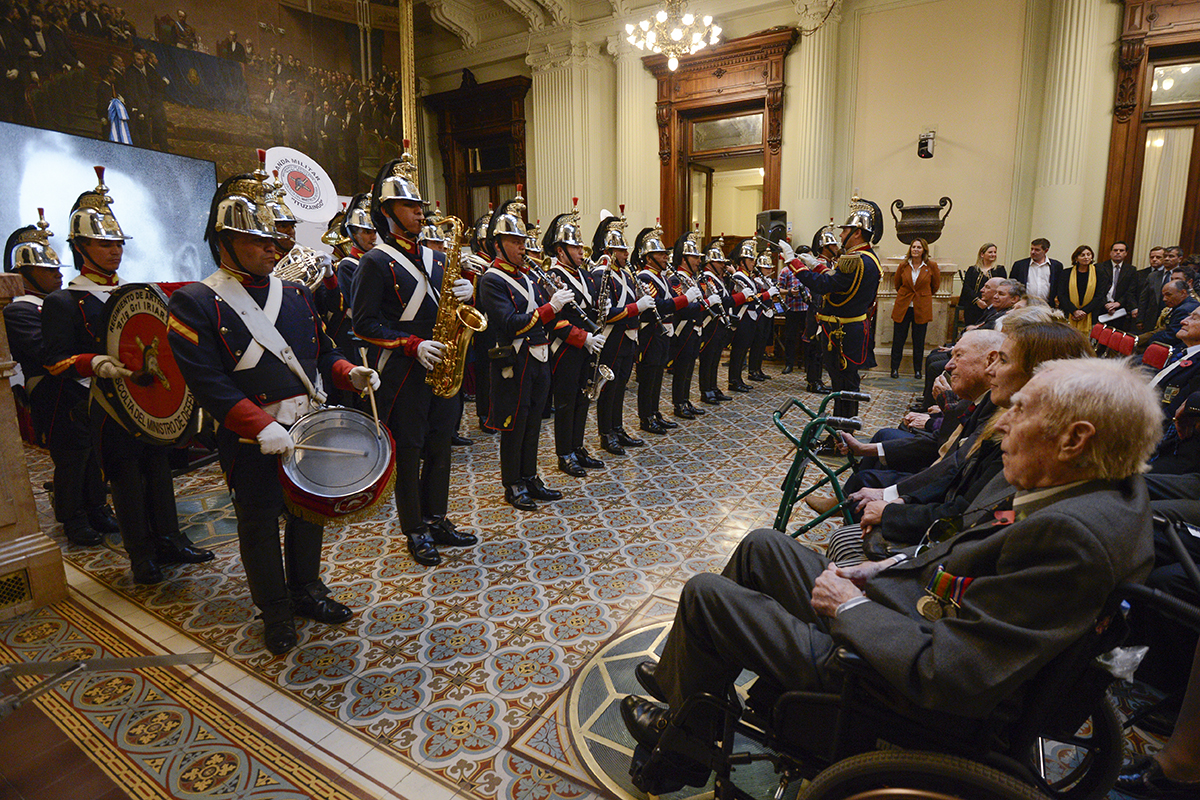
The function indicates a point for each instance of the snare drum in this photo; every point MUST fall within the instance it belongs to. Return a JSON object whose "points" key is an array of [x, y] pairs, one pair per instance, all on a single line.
{"points": [[325, 487]]}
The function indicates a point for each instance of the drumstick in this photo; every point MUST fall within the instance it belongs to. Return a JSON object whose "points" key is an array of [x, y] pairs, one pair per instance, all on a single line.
{"points": [[336, 450], [362, 351]]}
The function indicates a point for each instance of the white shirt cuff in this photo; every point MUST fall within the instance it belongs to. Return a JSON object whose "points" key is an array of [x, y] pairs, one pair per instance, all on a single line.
{"points": [[879, 453], [851, 603], [891, 494]]}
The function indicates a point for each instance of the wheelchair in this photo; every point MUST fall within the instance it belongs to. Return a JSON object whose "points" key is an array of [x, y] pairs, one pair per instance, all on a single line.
{"points": [[818, 426], [866, 742]]}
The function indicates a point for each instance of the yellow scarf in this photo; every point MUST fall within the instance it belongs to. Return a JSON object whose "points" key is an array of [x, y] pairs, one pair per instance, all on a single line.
{"points": [[1084, 324]]}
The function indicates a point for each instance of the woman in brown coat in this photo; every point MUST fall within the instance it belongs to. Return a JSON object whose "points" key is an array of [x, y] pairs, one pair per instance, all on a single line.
{"points": [[917, 279]]}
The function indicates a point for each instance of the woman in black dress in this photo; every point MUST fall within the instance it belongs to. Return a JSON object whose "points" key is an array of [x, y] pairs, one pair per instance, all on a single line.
{"points": [[984, 269]]}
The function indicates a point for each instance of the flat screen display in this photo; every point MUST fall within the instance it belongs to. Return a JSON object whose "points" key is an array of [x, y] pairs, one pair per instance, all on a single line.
{"points": [[160, 200]]}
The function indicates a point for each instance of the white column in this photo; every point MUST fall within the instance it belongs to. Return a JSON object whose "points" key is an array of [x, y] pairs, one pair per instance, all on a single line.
{"points": [[570, 113], [637, 165], [806, 190]]}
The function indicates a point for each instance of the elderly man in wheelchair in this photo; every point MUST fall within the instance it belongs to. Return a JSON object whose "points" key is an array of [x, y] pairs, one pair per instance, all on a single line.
{"points": [[951, 645]]}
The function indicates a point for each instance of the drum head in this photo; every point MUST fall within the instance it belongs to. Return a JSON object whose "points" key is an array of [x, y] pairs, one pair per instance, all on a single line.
{"points": [[153, 404], [330, 476]]}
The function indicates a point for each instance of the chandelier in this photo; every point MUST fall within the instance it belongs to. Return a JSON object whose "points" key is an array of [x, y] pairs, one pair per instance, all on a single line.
{"points": [[673, 32]]}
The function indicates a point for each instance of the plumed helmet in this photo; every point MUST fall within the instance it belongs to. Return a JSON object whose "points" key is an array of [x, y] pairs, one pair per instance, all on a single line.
{"points": [[651, 242], [92, 217], [358, 213], [533, 238], [400, 182], [826, 236], [610, 234], [866, 215], [716, 251], [30, 247], [746, 249], [335, 231], [240, 205], [688, 244], [508, 219], [563, 229], [480, 228], [431, 232], [764, 261]]}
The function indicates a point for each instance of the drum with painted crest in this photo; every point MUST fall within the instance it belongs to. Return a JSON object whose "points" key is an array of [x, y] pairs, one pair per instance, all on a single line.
{"points": [[338, 487]]}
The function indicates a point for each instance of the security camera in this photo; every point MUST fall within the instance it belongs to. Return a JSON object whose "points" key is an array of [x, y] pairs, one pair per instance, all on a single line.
{"points": [[925, 144]]}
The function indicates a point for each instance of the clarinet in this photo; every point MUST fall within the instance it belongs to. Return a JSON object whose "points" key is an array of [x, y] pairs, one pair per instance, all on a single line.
{"points": [[715, 310], [552, 283], [647, 291], [722, 314]]}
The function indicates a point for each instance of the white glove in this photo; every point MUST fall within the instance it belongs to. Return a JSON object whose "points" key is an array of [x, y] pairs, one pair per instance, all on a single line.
{"points": [[463, 290], [560, 299], [325, 262], [644, 303], [594, 342], [362, 377], [773, 291], [693, 294], [714, 300], [275, 440], [429, 353], [109, 368], [12, 74], [786, 250], [760, 285], [808, 260]]}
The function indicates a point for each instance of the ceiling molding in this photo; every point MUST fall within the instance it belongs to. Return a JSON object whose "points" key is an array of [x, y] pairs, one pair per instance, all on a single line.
{"points": [[531, 11], [456, 17]]}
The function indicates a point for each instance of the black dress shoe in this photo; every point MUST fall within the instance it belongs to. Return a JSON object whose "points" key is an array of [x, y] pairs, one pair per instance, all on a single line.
{"points": [[486, 430], [517, 496], [651, 426], [895, 374], [422, 549], [818, 388], [626, 440], [683, 412], [80, 533], [146, 573], [739, 387], [666, 423], [644, 672], [443, 532], [610, 444], [540, 491], [458, 440], [280, 636], [787, 370], [584, 459], [917, 374], [699, 412], [187, 554], [569, 465], [709, 397], [313, 602], [103, 520], [1145, 778], [645, 721], [762, 376], [722, 397], [756, 376]]}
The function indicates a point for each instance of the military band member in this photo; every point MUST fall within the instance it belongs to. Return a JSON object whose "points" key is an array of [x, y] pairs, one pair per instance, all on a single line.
{"points": [[847, 292], [764, 327], [685, 345], [331, 301], [396, 301], [431, 236], [656, 327], [826, 247], [139, 473], [717, 330], [58, 404], [612, 275], [521, 311], [747, 313], [483, 341], [256, 370], [360, 230], [575, 342]]}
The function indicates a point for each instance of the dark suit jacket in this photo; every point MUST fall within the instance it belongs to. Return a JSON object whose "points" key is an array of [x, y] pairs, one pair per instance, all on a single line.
{"points": [[1038, 586], [1128, 284], [1020, 272], [1150, 300], [1167, 335], [1177, 385]]}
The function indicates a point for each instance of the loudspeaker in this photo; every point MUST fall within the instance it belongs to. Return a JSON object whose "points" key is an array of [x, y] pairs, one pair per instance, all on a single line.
{"points": [[772, 225], [925, 144]]}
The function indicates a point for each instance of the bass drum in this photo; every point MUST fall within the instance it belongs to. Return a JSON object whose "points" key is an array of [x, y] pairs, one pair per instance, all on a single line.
{"points": [[340, 487]]}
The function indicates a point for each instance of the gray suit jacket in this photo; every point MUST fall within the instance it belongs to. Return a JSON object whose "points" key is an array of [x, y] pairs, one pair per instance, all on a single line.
{"points": [[1039, 585]]}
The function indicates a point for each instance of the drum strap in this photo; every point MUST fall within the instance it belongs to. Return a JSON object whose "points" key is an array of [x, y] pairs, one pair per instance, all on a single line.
{"points": [[82, 283], [262, 327]]}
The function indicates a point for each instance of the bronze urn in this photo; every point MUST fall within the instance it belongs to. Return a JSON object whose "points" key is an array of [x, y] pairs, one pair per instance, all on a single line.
{"points": [[920, 222]]}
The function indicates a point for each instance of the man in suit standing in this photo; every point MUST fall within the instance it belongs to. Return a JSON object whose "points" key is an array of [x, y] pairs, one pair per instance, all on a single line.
{"points": [[1015, 589], [1123, 288], [232, 48], [1150, 294], [87, 21], [135, 86], [1039, 272]]}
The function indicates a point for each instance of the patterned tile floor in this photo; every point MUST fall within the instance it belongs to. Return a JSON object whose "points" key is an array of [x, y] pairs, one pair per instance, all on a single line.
{"points": [[463, 680]]}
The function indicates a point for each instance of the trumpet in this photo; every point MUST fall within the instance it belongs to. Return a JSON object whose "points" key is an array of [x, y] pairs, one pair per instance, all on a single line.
{"points": [[552, 283]]}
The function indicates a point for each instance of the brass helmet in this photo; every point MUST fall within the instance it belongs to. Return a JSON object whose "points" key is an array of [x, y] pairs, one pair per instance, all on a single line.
{"points": [[401, 184], [716, 251], [430, 232], [275, 201], [507, 221], [30, 247], [240, 205], [564, 229], [610, 233], [866, 215], [533, 238], [691, 243], [765, 262], [746, 250], [335, 232], [827, 236], [481, 224], [358, 213], [652, 241], [91, 216]]}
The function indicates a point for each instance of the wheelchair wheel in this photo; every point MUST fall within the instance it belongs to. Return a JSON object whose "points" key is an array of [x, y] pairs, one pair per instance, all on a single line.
{"points": [[914, 775], [1083, 766]]}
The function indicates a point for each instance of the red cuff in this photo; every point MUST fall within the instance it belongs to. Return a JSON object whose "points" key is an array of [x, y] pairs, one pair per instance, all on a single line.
{"points": [[246, 419], [577, 337], [546, 313], [766, 297], [796, 264], [330, 282], [739, 299], [341, 375], [821, 268], [631, 310], [411, 344], [83, 364], [680, 303]]}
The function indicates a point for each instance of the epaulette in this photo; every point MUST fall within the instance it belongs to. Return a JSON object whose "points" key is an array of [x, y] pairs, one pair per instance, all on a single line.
{"points": [[850, 262]]}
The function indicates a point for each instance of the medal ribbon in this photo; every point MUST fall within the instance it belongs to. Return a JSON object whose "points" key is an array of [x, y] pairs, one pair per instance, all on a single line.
{"points": [[946, 587]]}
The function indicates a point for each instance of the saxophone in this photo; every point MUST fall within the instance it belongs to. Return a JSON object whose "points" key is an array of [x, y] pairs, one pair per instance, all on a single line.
{"points": [[456, 321]]}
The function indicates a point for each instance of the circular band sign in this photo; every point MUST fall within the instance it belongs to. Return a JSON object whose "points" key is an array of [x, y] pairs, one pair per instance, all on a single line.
{"points": [[309, 191], [154, 403]]}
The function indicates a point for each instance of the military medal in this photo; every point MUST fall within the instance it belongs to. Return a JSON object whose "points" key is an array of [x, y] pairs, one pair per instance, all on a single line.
{"points": [[929, 608], [943, 595]]}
